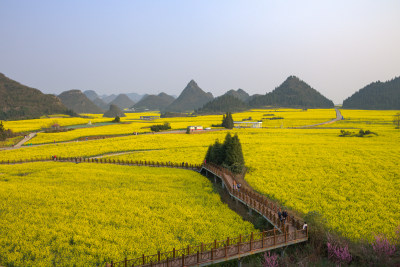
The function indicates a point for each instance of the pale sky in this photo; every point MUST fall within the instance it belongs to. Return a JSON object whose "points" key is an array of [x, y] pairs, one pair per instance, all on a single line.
{"points": [[151, 46]]}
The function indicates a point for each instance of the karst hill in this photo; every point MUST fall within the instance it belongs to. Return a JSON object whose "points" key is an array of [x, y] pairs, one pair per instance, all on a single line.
{"points": [[79, 102], [154, 102], [18, 101], [293, 92], [191, 98], [377, 95]]}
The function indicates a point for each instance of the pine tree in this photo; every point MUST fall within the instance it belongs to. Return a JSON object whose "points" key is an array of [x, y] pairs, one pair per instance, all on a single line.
{"points": [[3, 134], [229, 154], [227, 121]]}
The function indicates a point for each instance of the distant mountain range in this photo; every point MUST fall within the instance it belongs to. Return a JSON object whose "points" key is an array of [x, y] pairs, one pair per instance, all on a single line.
{"points": [[191, 98], [377, 95], [18, 101], [154, 102], [79, 102], [293, 92]]}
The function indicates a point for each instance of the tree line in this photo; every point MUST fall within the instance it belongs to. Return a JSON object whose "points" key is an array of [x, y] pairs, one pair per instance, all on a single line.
{"points": [[228, 154]]}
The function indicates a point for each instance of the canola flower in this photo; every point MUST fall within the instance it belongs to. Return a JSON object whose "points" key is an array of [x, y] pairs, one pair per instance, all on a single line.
{"points": [[352, 182], [85, 214]]}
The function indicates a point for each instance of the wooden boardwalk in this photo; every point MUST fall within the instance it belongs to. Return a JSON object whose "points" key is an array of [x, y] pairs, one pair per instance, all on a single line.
{"points": [[283, 234]]}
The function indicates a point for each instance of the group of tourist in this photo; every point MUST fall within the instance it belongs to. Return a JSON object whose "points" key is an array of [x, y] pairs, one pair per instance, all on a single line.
{"points": [[236, 186]]}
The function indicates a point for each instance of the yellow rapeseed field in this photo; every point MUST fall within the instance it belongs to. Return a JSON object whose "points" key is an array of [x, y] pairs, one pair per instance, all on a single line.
{"points": [[65, 214], [291, 118], [353, 182]]}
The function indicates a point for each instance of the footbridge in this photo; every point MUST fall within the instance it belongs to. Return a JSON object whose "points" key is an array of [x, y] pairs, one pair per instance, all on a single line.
{"points": [[285, 233]]}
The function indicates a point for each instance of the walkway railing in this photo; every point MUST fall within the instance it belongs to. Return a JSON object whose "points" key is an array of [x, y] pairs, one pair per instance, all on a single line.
{"points": [[183, 165], [252, 199], [218, 251]]}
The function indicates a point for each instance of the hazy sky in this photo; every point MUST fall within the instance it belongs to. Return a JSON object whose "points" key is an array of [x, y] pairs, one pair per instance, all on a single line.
{"points": [[150, 46]]}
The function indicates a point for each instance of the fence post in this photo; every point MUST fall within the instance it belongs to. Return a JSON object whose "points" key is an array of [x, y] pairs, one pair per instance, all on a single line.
{"points": [[251, 241], [159, 256], [173, 253], [188, 250], [143, 259], [126, 262], [198, 256], [112, 264], [262, 239], [183, 260]]}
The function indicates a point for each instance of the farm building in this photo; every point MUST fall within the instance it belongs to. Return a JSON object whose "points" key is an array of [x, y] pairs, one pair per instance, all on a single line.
{"points": [[149, 118], [247, 124], [194, 128]]}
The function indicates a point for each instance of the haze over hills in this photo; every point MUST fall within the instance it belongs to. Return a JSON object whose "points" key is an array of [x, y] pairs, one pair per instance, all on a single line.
{"points": [[92, 95], [122, 101], [101, 104], [293, 92], [135, 97], [239, 93], [191, 98], [222, 104], [108, 98], [78, 102], [113, 112], [377, 95], [154, 102], [18, 101]]}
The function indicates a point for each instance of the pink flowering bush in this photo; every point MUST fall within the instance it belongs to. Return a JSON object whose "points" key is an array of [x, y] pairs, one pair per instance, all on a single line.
{"points": [[270, 260], [382, 247], [337, 253]]}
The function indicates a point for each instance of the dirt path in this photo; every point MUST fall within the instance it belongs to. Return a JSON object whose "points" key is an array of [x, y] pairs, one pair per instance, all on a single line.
{"points": [[120, 153], [26, 139], [31, 135], [338, 118]]}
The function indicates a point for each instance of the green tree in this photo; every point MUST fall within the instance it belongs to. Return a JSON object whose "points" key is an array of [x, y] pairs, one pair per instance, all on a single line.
{"points": [[229, 154], [227, 121], [396, 120], [3, 133]]}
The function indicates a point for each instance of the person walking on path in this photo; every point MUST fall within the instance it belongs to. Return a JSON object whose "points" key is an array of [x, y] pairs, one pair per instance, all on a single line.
{"points": [[280, 215], [284, 215]]}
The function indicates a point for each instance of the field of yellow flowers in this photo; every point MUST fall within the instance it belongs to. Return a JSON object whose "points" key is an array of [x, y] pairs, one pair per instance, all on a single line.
{"points": [[289, 118], [66, 214], [352, 182]]}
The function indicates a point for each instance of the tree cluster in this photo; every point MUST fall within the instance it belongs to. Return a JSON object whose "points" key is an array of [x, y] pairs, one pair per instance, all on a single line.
{"points": [[228, 154], [160, 127], [227, 121], [222, 104], [361, 133], [4, 134]]}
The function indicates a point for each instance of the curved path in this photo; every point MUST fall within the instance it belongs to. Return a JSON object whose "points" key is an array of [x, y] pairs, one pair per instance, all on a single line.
{"points": [[338, 118]]}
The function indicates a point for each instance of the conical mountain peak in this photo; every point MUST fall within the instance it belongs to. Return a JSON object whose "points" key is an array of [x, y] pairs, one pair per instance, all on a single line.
{"points": [[191, 98]]}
